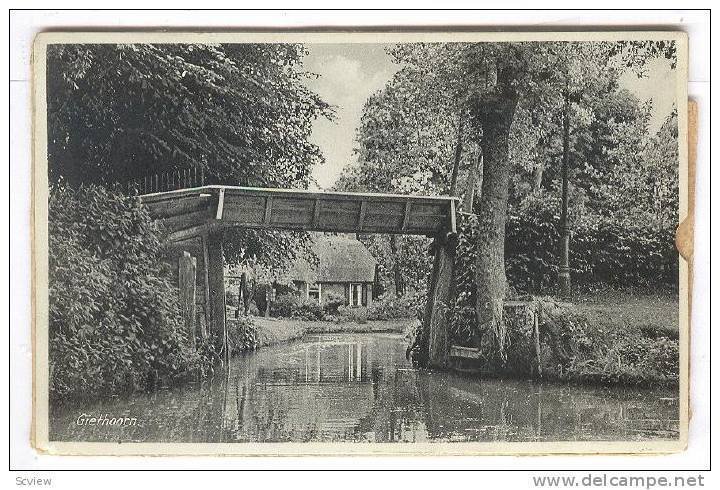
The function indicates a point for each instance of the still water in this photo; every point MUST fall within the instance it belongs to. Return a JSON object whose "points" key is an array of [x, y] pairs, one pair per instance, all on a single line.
{"points": [[359, 387]]}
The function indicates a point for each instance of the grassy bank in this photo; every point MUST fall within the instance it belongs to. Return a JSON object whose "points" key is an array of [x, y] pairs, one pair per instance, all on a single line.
{"points": [[652, 315], [630, 339], [270, 331], [614, 338]]}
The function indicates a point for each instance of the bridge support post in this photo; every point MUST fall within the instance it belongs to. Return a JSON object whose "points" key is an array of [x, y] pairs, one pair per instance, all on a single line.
{"points": [[186, 277], [440, 298], [212, 243]]}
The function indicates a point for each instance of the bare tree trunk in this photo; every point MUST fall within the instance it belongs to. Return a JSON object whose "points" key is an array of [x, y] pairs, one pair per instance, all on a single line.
{"points": [[564, 269], [458, 156], [537, 177], [497, 117]]}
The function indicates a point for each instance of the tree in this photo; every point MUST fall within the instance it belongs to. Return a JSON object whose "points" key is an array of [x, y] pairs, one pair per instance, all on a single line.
{"points": [[238, 112], [494, 83], [515, 71]]}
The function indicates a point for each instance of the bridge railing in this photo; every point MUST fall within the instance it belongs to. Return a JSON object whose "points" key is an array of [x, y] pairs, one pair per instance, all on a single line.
{"points": [[171, 180]]}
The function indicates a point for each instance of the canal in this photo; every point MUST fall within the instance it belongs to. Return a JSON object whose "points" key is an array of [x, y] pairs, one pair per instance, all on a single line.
{"points": [[360, 387]]}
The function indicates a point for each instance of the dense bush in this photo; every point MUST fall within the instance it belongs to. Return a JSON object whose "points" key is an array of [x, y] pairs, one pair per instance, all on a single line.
{"points": [[114, 320], [390, 307], [602, 251], [332, 303], [242, 334], [283, 305], [633, 360], [308, 310], [293, 306], [354, 314]]}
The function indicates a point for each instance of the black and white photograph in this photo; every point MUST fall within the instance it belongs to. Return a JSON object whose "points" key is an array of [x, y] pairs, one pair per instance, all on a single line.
{"points": [[358, 243]]}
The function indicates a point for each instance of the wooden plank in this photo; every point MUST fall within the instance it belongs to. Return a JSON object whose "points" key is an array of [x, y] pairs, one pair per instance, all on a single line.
{"points": [[406, 215], [343, 196], [464, 352], [437, 311], [206, 281], [268, 209], [156, 197], [183, 221], [536, 342], [301, 194], [304, 210], [187, 233], [216, 280], [293, 213], [361, 218], [245, 210], [187, 269], [453, 223], [180, 205], [316, 212], [221, 204]]}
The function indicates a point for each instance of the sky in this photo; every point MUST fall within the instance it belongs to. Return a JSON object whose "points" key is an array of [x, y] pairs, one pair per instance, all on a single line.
{"points": [[350, 73]]}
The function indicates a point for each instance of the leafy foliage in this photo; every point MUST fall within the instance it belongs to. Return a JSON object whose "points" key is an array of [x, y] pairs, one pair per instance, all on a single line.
{"points": [[242, 334], [114, 321], [308, 310], [633, 361], [293, 306], [604, 251], [623, 195], [238, 112], [390, 307], [331, 304], [516, 100], [578, 348], [284, 305], [354, 314]]}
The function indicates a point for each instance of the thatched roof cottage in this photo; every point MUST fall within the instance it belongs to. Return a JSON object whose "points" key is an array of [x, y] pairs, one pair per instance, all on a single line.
{"points": [[345, 269]]}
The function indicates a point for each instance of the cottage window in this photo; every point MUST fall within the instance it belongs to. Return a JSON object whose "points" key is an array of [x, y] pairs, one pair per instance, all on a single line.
{"points": [[314, 293], [355, 294]]}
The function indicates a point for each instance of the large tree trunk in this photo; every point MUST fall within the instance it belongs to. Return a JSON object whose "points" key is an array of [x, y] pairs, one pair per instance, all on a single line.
{"points": [[496, 117]]}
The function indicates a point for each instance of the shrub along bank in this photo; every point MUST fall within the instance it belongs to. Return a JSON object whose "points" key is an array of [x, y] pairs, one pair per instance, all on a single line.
{"points": [[387, 307], [114, 318], [604, 253]]}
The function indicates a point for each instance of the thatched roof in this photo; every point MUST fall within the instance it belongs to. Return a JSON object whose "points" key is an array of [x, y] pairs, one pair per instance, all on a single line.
{"points": [[340, 259]]}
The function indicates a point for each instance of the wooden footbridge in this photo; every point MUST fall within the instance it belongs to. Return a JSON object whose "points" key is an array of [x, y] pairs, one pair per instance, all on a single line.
{"points": [[194, 219]]}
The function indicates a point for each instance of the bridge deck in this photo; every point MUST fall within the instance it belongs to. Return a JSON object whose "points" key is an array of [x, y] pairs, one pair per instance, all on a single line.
{"points": [[191, 212]]}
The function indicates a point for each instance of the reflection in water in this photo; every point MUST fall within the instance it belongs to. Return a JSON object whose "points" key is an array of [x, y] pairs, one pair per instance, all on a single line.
{"points": [[360, 388]]}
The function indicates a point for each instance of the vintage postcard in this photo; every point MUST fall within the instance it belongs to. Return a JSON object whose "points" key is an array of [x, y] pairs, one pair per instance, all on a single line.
{"points": [[360, 243]]}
